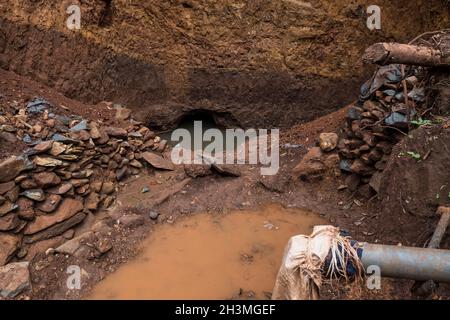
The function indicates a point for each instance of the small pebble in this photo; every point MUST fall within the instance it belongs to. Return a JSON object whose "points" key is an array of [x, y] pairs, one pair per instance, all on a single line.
{"points": [[153, 215]]}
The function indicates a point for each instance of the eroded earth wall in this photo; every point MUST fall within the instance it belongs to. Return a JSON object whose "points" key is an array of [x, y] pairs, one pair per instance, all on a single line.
{"points": [[261, 63]]}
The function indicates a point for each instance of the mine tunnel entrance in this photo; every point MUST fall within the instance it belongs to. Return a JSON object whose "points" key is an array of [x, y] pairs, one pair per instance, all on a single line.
{"points": [[197, 122], [209, 129]]}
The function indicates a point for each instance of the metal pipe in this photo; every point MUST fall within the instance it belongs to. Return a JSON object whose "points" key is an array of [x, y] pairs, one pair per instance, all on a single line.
{"points": [[408, 263]]}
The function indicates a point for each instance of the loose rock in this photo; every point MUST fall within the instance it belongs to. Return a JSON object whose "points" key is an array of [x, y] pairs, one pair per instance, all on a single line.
{"points": [[57, 229], [7, 186], [158, 161], [8, 247], [194, 170], [80, 126], [46, 179], [14, 279], [360, 168], [68, 208], [47, 162], [72, 246], [311, 167], [123, 114], [92, 201], [328, 141], [12, 167], [153, 215], [62, 189], [9, 222], [116, 132], [28, 184], [57, 149], [7, 207], [25, 210], [50, 204], [43, 146], [34, 194], [103, 245], [132, 220], [107, 187]]}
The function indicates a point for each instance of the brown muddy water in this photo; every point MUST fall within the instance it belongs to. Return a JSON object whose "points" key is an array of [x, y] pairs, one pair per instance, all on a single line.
{"points": [[210, 256]]}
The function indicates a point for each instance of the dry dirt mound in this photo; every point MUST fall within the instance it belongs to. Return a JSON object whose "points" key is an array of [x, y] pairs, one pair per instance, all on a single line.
{"points": [[415, 182]]}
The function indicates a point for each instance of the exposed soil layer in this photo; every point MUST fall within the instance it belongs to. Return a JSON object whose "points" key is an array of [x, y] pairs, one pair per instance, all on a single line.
{"points": [[412, 189], [216, 194], [245, 60], [18, 90], [257, 63]]}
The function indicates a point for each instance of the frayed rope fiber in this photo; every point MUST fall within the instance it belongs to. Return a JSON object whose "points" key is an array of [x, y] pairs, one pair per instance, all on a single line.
{"points": [[327, 254]]}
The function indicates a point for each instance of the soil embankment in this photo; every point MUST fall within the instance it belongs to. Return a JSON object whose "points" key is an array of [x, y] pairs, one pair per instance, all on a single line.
{"points": [[242, 60]]}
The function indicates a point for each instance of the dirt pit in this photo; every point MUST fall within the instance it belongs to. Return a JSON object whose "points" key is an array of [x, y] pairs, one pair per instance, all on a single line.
{"points": [[236, 255]]}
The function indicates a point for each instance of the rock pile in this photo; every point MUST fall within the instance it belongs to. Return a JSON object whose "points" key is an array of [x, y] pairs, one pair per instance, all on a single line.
{"points": [[71, 168], [376, 123]]}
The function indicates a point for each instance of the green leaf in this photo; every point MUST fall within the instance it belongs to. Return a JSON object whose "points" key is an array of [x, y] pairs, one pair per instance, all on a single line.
{"points": [[414, 155], [421, 122]]}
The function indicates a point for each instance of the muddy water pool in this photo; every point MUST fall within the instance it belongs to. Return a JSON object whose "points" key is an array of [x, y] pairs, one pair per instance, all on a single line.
{"points": [[210, 256]]}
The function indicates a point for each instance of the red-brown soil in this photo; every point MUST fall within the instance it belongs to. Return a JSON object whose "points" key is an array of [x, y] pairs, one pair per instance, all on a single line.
{"points": [[412, 189], [259, 64], [221, 194], [242, 60]]}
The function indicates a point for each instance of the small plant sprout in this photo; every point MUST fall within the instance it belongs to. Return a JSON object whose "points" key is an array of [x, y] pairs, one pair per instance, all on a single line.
{"points": [[438, 194], [422, 122], [414, 155]]}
